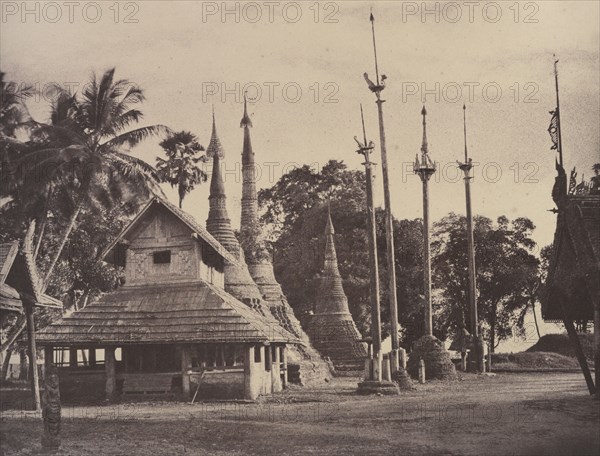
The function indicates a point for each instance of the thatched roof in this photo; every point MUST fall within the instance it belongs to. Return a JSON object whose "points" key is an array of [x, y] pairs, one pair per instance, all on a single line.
{"points": [[195, 312], [18, 275], [110, 253]]}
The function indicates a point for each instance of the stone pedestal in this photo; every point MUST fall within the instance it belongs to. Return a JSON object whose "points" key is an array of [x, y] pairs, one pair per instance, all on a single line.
{"points": [[386, 372], [402, 358], [476, 358], [438, 364]]}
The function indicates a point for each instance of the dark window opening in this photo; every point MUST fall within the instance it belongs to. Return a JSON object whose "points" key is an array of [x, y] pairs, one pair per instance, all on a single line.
{"points": [[162, 257], [257, 357]]}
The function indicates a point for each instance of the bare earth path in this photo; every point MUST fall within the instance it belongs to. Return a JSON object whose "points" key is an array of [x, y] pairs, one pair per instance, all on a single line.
{"points": [[510, 414]]}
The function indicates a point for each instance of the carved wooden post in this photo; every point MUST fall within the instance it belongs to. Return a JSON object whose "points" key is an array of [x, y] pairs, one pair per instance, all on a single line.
{"points": [[109, 368], [51, 409], [32, 353], [72, 357], [48, 359]]}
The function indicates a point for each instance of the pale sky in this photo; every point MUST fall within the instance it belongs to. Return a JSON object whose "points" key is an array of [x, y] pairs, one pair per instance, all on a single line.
{"points": [[179, 52]]}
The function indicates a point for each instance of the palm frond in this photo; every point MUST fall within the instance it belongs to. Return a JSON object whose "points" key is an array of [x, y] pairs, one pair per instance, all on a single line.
{"points": [[134, 137]]}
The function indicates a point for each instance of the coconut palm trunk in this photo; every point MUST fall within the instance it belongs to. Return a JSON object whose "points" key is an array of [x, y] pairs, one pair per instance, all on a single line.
{"points": [[70, 226]]}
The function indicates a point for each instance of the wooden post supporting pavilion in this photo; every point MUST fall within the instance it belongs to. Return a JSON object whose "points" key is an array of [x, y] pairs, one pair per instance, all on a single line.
{"points": [[276, 371], [109, 368], [250, 371], [284, 365], [185, 368]]}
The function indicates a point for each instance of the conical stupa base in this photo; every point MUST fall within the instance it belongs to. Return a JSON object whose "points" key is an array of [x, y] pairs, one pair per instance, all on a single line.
{"points": [[438, 364], [403, 380]]}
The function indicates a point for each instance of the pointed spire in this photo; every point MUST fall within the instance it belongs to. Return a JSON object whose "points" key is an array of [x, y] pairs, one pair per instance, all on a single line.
{"points": [[217, 186], [372, 19], [424, 145], [245, 122], [214, 147], [218, 223], [249, 225], [465, 131], [425, 167], [329, 230], [330, 268]]}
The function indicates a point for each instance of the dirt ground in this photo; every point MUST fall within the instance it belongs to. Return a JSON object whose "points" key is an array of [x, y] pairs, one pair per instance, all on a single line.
{"points": [[509, 414]]}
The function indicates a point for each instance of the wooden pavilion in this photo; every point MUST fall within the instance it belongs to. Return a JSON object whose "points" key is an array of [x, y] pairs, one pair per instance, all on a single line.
{"points": [[171, 328], [573, 282]]}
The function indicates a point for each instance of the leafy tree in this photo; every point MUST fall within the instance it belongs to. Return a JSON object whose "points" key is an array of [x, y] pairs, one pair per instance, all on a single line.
{"points": [[180, 169], [506, 269], [296, 209]]}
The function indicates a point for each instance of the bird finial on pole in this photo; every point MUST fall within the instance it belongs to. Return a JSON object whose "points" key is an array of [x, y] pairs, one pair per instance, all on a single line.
{"points": [[365, 147]]}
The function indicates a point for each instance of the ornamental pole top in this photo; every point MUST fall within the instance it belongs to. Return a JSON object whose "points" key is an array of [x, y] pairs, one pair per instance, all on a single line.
{"points": [[424, 166]]}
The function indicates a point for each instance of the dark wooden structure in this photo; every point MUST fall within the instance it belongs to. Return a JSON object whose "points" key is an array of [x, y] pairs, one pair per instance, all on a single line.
{"points": [[20, 293], [171, 328], [573, 283]]}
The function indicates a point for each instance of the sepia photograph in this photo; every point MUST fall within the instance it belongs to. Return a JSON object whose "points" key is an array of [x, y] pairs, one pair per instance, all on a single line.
{"points": [[307, 227]]}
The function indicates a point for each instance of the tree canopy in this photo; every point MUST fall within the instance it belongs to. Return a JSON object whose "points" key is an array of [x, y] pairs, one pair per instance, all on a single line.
{"points": [[506, 269]]}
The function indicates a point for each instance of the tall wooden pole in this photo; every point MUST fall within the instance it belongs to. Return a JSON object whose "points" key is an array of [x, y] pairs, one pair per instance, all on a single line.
{"points": [[559, 145], [477, 348], [365, 149], [425, 168], [377, 88]]}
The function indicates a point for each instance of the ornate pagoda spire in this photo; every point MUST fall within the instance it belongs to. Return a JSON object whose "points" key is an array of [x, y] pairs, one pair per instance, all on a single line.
{"points": [[250, 228], [214, 147], [237, 277], [330, 265], [331, 293], [332, 328], [258, 257], [218, 223]]}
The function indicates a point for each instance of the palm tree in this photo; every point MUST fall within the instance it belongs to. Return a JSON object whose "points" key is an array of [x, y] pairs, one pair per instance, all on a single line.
{"points": [[83, 149], [180, 169], [13, 111]]}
